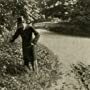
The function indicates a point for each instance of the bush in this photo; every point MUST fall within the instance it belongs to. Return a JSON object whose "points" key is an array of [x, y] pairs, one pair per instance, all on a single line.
{"points": [[13, 76], [82, 75]]}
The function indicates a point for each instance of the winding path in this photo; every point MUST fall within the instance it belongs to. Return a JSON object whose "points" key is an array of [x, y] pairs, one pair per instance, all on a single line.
{"points": [[69, 49]]}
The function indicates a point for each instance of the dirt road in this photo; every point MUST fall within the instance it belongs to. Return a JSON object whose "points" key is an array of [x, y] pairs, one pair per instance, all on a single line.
{"points": [[69, 49]]}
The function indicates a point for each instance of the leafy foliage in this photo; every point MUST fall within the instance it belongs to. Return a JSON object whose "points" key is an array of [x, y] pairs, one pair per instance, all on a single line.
{"points": [[74, 11], [57, 8], [11, 9], [81, 14], [77, 11], [13, 74], [82, 74]]}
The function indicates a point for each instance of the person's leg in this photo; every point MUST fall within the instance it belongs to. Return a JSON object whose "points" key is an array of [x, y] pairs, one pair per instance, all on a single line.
{"points": [[36, 67], [26, 57], [32, 63], [32, 57], [26, 63]]}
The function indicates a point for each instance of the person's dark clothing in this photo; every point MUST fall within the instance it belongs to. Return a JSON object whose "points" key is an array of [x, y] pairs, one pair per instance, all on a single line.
{"points": [[28, 56], [26, 35], [27, 40]]}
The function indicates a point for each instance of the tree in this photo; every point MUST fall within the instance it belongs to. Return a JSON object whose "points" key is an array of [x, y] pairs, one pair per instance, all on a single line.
{"points": [[57, 8], [81, 14], [11, 9], [75, 11]]}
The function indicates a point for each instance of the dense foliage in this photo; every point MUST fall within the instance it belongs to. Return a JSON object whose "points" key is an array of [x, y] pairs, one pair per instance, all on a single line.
{"points": [[82, 74], [57, 8], [75, 12], [13, 75], [81, 14], [11, 9], [64, 9]]}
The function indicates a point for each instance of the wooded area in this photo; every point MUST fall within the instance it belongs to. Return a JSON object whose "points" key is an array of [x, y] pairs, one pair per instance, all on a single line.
{"points": [[77, 11]]}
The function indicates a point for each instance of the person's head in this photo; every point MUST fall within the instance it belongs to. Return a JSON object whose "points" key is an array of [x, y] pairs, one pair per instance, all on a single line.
{"points": [[19, 20]]}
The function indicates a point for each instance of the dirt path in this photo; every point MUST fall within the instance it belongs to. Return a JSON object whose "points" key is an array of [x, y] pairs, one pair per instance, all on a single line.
{"points": [[69, 49]]}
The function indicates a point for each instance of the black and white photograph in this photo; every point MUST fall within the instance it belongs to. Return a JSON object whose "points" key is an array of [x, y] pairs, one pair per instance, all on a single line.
{"points": [[44, 44]]}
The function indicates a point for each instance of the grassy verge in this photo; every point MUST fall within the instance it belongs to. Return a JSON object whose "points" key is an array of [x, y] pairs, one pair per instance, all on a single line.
{"points": [[13, 75]]}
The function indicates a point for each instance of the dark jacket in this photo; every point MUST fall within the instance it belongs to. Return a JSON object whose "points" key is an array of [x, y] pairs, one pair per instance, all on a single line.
{"points": [[26, 35]]}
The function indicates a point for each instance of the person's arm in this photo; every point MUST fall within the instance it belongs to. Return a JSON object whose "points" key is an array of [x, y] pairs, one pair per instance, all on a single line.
{"points": [[15, 35], [37, 35]]}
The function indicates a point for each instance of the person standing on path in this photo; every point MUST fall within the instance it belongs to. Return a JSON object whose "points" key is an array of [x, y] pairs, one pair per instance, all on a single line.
{"points": [[28, 42]]}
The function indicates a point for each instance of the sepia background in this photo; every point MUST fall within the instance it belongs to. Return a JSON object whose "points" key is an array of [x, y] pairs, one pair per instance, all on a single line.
{"points": [[62, 52]]}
